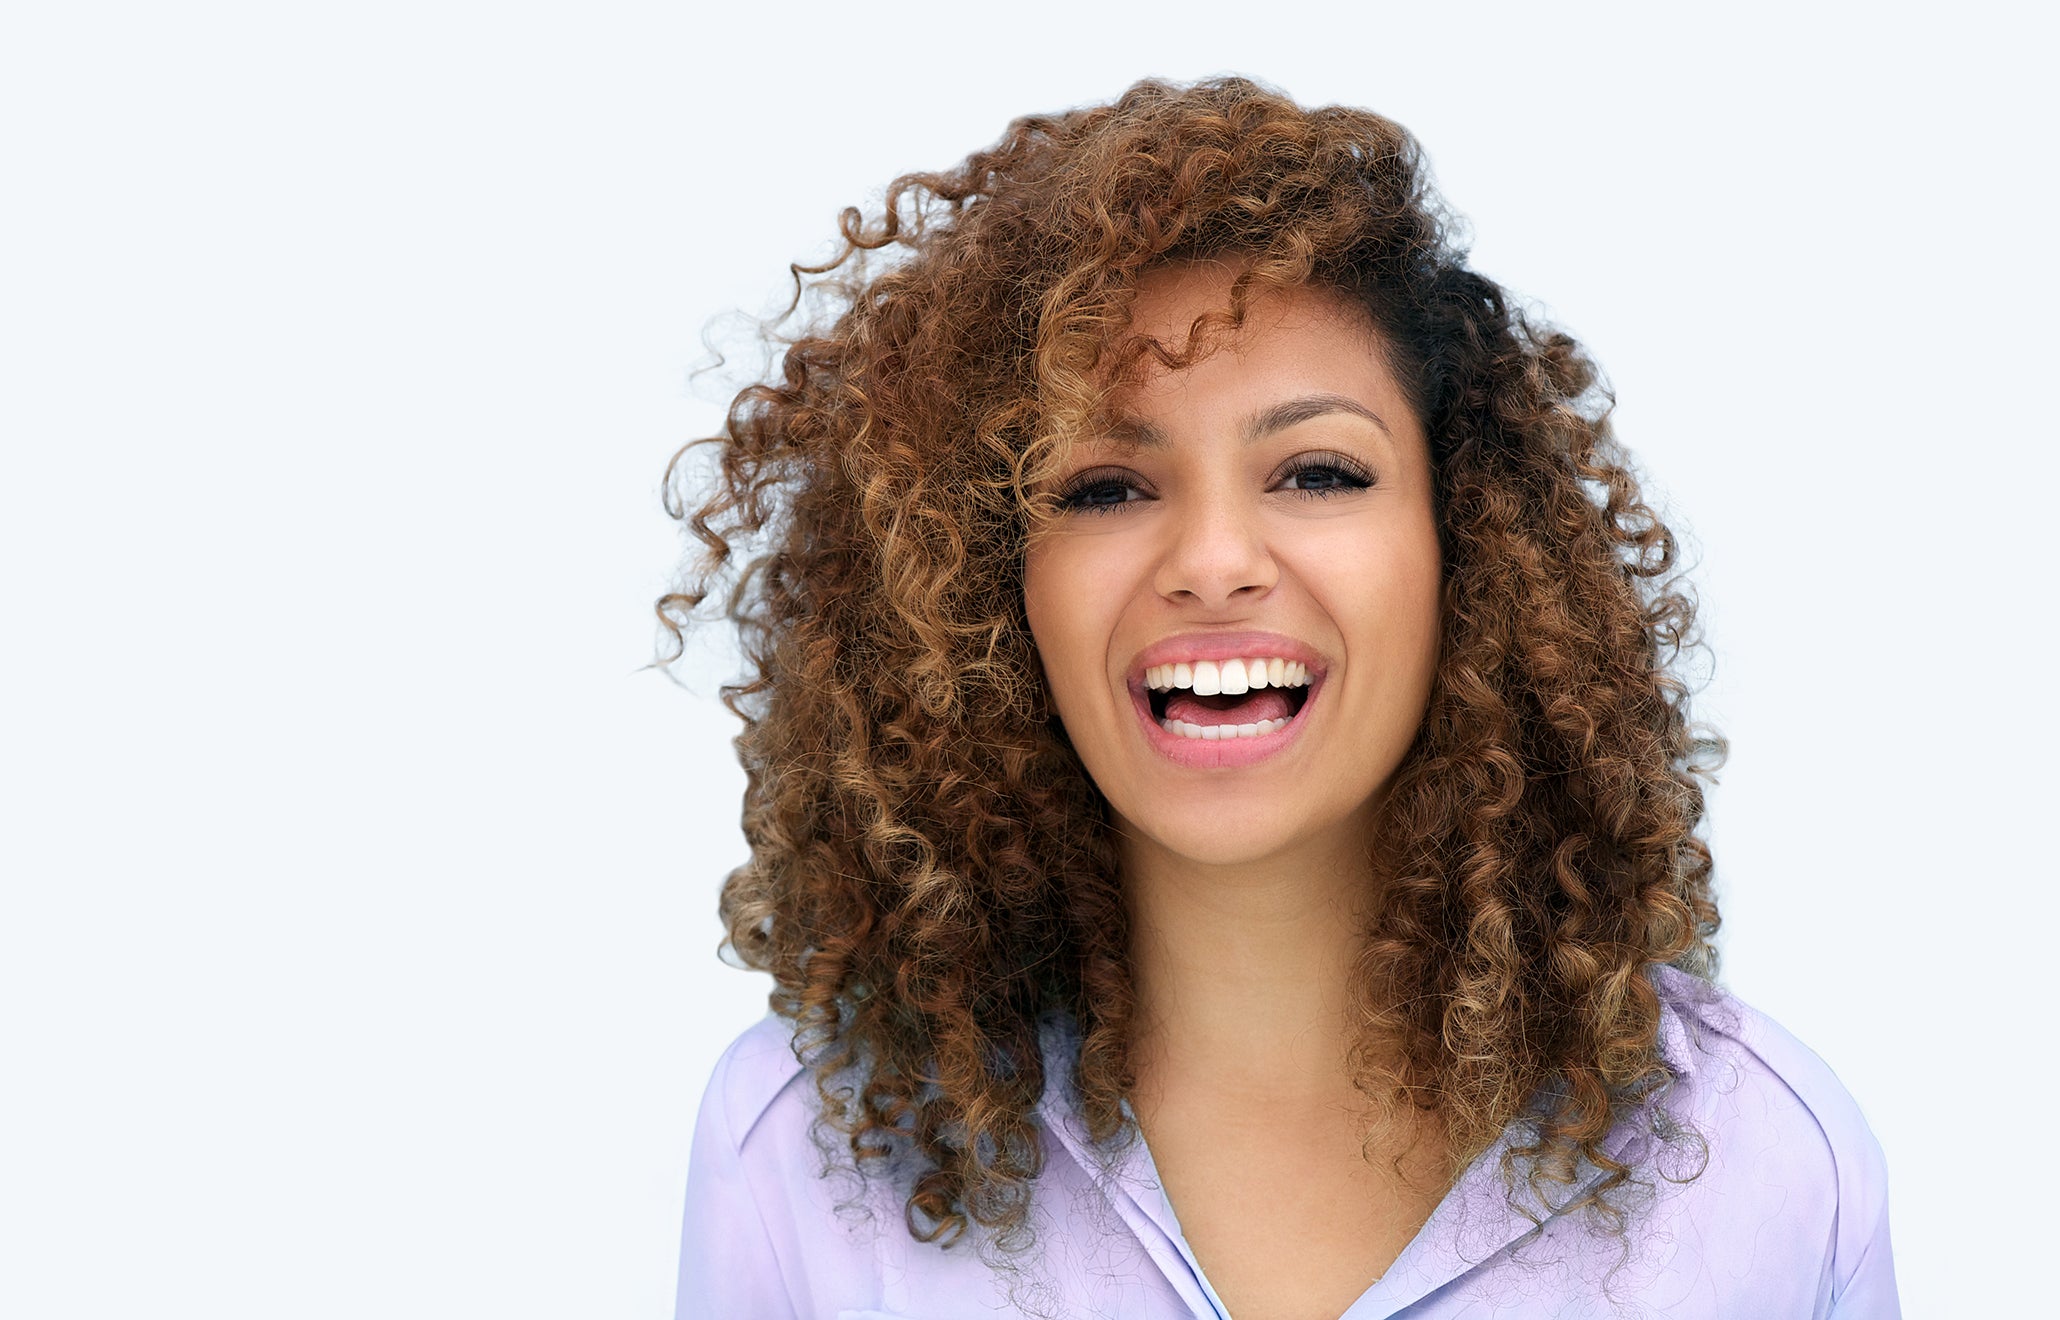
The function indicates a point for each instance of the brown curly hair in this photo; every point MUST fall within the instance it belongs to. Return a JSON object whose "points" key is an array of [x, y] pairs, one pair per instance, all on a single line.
{"points": [[931, 869]]}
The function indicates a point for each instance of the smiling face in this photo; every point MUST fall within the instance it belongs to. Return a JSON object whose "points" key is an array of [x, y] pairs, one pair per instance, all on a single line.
{"points": [[1271, 503]]}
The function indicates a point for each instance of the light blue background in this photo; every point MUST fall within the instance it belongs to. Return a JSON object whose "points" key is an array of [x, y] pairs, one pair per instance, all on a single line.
{"points": [[358, 946]]}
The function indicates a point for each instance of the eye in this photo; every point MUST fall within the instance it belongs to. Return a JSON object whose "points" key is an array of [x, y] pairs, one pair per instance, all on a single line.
{"points": [[1324, 474], [1099, 490]]}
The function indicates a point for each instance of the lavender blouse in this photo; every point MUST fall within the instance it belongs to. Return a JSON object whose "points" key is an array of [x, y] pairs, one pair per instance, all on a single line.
{"points": [[1787, 1218]]}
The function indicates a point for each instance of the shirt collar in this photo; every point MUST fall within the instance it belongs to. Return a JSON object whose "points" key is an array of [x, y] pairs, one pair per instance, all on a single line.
{"points": [[1477, 1220]]}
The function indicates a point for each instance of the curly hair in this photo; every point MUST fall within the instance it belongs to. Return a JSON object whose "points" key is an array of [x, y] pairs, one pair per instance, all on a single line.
{"points": [[932, 871]]}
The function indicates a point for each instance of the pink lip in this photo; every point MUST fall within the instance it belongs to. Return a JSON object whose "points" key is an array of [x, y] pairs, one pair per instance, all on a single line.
{"points": [[1203, 754], [1223, 646]]}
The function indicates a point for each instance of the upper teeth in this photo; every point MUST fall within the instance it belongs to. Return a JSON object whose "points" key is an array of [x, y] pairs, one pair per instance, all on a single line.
{"points": [[1209, 677]]}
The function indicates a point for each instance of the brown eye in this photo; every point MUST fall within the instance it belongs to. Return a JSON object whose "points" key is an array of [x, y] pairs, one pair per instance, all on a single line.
{"points": [[1325, 474], [1098, 492]]}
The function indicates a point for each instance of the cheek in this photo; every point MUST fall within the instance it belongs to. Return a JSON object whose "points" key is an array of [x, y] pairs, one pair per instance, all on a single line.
{"points": [[1417, 585], [1047, 576], [1037, 600], [1070, 604], [1385, 590]]}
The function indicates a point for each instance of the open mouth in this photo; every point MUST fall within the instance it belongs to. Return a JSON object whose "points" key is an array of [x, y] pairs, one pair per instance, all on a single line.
{"points": [[1214, 701]]}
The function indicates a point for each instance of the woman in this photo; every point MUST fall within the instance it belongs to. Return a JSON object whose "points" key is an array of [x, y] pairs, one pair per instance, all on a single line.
{"points": [[1223, 818]]}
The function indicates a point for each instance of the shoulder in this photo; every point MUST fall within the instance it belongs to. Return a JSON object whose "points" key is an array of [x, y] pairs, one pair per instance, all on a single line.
{"points": [[760, 1112], [764, 1113], [762, 1232], [756, 1069], [1786, 1143], [1743, 1064]]}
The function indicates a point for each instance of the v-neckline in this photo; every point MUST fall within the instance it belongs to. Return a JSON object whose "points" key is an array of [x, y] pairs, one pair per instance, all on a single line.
{"points": [[1474, 1222]]}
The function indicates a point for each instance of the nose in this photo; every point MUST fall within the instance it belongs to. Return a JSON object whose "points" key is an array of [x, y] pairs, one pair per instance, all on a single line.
{"points": [[1216, 555]]}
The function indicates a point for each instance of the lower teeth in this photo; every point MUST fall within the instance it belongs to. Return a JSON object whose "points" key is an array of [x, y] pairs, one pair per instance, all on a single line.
{"points": [[1219, 732]]}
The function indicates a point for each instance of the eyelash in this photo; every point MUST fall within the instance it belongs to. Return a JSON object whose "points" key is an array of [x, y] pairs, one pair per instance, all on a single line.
{"points": [[1351, 477]]}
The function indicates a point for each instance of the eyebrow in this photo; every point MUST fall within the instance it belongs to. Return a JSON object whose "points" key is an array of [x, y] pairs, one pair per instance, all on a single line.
{"points": [[1295, 411], [1130, 433]]}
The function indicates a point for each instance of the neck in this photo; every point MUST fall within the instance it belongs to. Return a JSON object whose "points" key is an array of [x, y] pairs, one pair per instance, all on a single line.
{"points": [[1241, 971]]}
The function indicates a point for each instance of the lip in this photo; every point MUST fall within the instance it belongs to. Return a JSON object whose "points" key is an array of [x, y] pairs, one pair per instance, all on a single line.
{"points": [[1224, 646], [1203, 754]]}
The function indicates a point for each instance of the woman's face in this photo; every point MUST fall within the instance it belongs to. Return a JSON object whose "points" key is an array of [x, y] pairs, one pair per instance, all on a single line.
{"points": [[1271, 503]]}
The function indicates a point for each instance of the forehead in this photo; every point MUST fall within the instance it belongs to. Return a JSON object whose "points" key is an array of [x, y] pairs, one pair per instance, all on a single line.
{"points": [[1294, 348], [1171, 297]]}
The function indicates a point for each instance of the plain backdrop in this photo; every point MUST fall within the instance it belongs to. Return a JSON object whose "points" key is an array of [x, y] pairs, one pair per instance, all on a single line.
{"points": [[358, 953]]}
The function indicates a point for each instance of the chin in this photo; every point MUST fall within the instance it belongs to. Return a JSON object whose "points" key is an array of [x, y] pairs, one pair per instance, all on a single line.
{"points": [[1208, 838]]}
